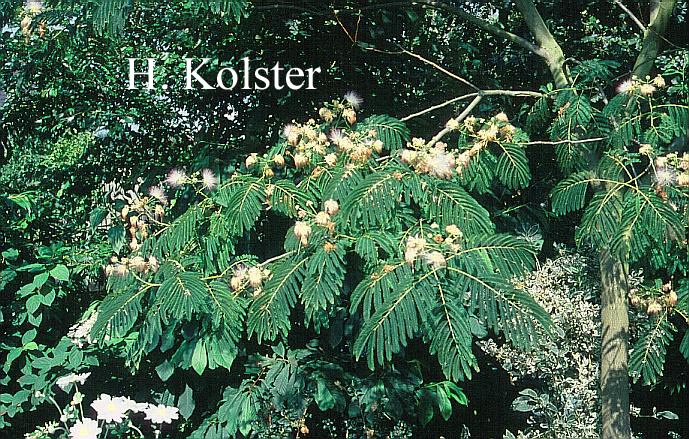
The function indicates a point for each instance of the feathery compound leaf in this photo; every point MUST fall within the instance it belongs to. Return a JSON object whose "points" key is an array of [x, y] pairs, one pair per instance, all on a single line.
{"points": [[397, 318], [392, 132], [118, 312], [451, 204], [370, 244], [513, 167], [323, 282], [503, 307], [646, 219], [451, 338], [684, 346], [226, 310], [601, 218], [180, 296], [570, 194], [109, 16], [647, 357], [243, 202], [179, 234], [374, 201], [285, 197], [500, 254], [268, 315]]}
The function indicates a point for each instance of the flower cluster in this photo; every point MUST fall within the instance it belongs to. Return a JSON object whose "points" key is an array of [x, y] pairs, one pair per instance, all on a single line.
{"points": [[244, 276], [434, 159], [433, 248], [178, 177], [669, 169], [315, 144], [136, 264], [653, 300], [302, 229], [111, 411], [644, 87]]}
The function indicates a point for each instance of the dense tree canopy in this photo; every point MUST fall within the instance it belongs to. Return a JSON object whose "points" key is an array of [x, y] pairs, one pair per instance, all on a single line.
{"points": [[382, 262]]}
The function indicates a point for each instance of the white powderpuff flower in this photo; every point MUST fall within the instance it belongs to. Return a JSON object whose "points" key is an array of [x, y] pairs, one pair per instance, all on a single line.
{"points": [[502, 117], [335, 136], [441, 165], [683, 180], [331, 207], [626, 86], [176, 178], [109, 409], [410, 255], [452, 124], [647, 89], [322, 219], [436, 259], [301, 160], [350, 115], [66, 380], [302, 230], [255, 277], [251, 160], [288, 129], [158, 193], [153, 263], [279, 160], [354, 99], [210, 181], [161, 414], [408, 156], [86, 429], [665, 176], [453, 230], [659, 81], [646, 149], [330, 159]]}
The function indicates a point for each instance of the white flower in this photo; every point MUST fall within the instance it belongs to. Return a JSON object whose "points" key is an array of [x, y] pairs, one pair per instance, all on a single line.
{"points": [[110, 409], [626, 86], [158, 193], [176, 177], [353, 99], [441, 165], [322, 219], [659, 81], [210, 181], [302, 230], [335, 136], [66, 380], [436, 259], [665, 176], [161, 414], [86, 429], [331, 207], [647, 89]]}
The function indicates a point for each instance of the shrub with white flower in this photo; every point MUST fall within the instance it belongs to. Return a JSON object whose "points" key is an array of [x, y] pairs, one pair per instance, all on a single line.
{"points": [[114, 415]]}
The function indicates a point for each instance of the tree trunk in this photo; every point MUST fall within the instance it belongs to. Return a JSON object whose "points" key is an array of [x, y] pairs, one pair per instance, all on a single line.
{"points": [[614, 375], [660, 14]]}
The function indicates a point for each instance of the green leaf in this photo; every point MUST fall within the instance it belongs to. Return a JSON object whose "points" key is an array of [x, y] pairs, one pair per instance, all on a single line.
{"points": [[165, 370], [199, 359], [60, 272], [185, 403]]}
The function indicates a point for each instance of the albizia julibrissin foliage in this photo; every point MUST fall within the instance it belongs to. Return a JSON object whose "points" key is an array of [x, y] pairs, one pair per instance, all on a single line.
{"points": [[374, 223]]}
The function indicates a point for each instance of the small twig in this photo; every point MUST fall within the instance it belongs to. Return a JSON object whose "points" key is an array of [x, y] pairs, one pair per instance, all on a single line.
{"points": [[472, 95], [634, 18], [440, 68], [459, 118], [560, 142]]}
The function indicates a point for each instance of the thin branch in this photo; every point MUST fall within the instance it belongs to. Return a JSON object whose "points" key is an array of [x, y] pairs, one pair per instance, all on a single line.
{"points": [[634, 18], [459, 118], [425, 61], [473, 95], [560, 142]]}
